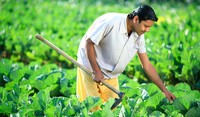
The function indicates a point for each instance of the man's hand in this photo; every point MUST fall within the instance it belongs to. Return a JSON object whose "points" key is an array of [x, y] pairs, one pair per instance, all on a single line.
{"points": [[169, 96], [98, 77]]}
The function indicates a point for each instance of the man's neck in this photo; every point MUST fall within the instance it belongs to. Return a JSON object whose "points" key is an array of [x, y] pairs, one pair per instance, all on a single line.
{"points": [[129, 26]]}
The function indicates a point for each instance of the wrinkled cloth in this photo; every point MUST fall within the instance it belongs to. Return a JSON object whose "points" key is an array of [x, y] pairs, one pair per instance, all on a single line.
{"points": [[87, 87], [113, 47]]}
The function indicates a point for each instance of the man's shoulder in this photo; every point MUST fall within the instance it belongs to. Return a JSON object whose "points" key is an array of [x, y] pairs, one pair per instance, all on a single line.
{"points": [[113, 15]]}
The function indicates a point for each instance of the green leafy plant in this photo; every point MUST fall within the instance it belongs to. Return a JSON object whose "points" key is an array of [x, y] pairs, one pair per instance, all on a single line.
{"points": [[49, 91], [37, 81]]}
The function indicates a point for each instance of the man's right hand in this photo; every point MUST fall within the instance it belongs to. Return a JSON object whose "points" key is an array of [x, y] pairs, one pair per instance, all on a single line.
{"points": [[98, 77]]}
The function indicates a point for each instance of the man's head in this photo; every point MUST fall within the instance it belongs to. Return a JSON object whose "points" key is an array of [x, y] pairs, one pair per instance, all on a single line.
{"points": [[142, 19], [144, 12]]}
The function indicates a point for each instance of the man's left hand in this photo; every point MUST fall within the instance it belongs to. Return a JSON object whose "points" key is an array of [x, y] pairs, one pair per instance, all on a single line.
{"points": [[169, 96]]}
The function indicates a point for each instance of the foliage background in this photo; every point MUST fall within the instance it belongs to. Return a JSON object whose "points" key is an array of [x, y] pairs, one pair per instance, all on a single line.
{"points": [[172, 44]]}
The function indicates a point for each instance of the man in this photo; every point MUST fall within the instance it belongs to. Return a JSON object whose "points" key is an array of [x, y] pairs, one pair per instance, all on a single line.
{"points": [[107, 48]]}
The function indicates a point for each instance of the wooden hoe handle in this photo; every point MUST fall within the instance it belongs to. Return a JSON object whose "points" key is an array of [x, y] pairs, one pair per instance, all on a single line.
{"points": [[75, 62]]}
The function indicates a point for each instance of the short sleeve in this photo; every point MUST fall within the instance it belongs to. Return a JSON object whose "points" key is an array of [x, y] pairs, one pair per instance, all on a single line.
{"points": [[98, 30]]}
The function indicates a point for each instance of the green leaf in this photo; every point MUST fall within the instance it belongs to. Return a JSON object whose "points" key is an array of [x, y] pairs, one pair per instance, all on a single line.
{"points": [[129, 104], [48, 68], [185, 102], [175, 114], [44, 97], [38, 84], [3, 94], [153, 101], [180, 104], [196, 94], [59, 101], [71, 74], [182, 87], [35, 105], [69, 111], [16, 90], [131, 93], [18, 48], [73, 106], [9, 45], [25, 91], [53, 110], [140, 111], [14, 94], [55, 90], [169, 108], [91, 102], [30, 55], [9, 85], [193, 112], [157, 114], [7, 107], [133, 84], [106, 111], [17, 74], [64, 87], [53, 78], [25, 110], [123, 79], [151, 88], [37, 73], [5, 66], [50, 111]]}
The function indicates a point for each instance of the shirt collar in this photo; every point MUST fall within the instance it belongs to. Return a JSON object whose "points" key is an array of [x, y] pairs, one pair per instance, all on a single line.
{"points": [[135, 35], [123, 28]]}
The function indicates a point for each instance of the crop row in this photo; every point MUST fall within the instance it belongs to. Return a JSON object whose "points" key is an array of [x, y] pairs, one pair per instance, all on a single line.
{"points": [[36, 90]]}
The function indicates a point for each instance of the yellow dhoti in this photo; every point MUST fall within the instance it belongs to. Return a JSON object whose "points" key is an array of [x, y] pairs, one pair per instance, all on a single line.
{"points": [[87, 87]]}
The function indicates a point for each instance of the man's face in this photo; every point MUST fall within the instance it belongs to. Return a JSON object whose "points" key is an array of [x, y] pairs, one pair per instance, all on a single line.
{"points": [[143, 26]]}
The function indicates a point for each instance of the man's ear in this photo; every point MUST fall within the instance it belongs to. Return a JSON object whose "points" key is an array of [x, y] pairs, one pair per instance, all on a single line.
{"points": [[136, 19]]}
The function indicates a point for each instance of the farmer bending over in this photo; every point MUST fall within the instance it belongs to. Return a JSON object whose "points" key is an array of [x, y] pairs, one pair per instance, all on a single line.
{"points": [[109, 45]]}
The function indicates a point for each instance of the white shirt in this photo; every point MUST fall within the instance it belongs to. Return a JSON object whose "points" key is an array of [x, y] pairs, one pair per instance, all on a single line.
{"points": [[114, 49]]}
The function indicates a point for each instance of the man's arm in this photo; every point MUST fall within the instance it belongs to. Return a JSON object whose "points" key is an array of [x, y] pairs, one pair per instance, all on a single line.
{"points": [[98, 76], [153, 75]]}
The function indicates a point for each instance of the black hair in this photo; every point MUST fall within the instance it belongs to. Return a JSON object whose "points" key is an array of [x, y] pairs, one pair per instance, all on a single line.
{"points": [[144, 12]]}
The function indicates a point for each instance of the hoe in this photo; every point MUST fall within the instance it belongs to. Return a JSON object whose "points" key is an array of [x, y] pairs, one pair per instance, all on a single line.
{"points": [[120, 94]]}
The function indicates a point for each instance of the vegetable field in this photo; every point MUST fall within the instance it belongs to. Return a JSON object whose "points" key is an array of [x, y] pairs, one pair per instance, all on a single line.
{"points": [[37, 81]]}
